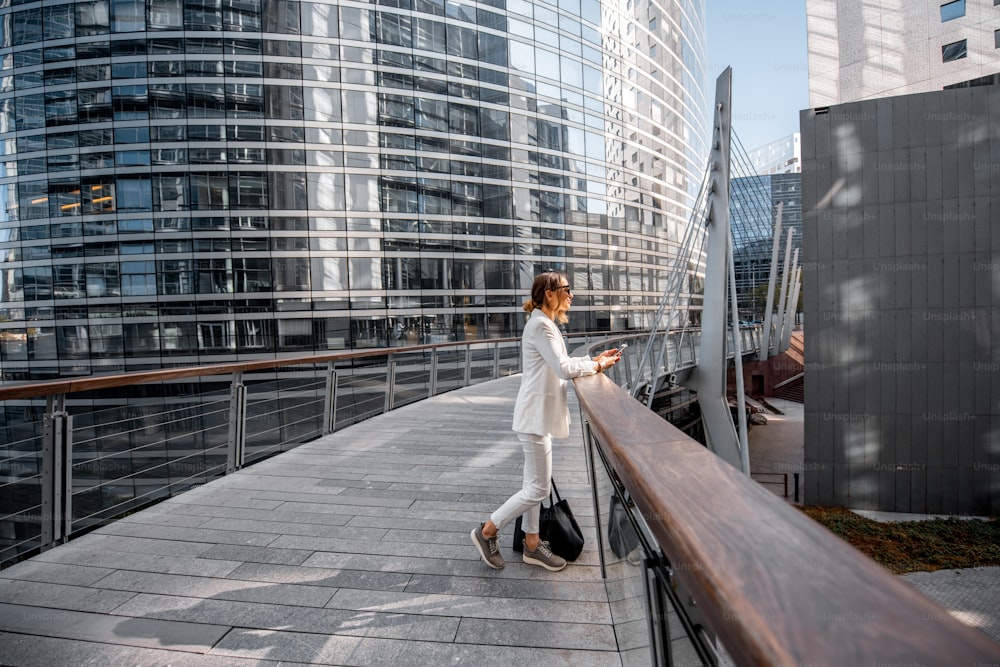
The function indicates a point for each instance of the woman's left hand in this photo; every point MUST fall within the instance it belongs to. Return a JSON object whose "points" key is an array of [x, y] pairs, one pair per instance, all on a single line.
{"points": [[608, 358]]}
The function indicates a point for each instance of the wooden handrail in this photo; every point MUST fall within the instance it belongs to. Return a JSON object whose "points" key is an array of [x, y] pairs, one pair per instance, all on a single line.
{"points": [[774, 586], [94, 382]]}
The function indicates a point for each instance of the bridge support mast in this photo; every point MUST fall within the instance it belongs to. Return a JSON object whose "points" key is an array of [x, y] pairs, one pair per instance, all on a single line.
{"points": [[709, 378]]}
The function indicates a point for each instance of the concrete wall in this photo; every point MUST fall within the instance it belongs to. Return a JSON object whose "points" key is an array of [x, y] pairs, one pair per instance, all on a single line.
{"points": [[901, 244]]}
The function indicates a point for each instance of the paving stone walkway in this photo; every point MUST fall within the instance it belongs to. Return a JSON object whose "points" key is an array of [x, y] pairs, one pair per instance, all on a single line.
{"points": [[350, 550], [353, 549]]}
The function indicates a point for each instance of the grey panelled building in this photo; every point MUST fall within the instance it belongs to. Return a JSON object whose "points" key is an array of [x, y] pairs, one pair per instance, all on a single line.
{"points": [[901, 201], [184, 181]]}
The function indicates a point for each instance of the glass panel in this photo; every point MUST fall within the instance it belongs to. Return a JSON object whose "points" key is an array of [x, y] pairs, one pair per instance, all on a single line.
{"points": [[59, 22], [320, 20], [165, 15], [128, 15], [954, 51], [952, 10], [92, 18]]}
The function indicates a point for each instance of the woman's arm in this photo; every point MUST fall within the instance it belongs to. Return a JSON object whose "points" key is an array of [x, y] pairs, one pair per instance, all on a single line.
{"points": [[550, 345]]}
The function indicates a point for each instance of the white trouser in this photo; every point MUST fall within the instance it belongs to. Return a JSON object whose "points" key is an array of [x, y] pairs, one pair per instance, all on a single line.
{"points": [[537, 479]]}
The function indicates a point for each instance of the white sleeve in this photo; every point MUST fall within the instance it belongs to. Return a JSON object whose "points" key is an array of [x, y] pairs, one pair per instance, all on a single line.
{"points": [[550, 346]]}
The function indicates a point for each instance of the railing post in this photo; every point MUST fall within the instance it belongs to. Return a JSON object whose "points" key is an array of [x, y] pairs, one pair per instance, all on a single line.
{"points": [[468, 366], [330, 400], [657, 618], [496, 360], [588, 441], [237, 423], [57, 473], [434, 372], [390, 384]]}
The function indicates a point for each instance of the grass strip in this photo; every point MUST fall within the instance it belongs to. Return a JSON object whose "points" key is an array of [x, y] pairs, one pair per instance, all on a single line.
{"points": [[916, 546]]}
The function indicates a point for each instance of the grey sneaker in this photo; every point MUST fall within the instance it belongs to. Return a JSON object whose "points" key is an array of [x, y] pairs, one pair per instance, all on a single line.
{"points": [[543, 556], [488, 548]]}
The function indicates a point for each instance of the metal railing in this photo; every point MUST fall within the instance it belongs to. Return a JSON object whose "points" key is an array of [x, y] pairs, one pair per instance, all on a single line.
{"points": [[704, 566], [76, 454], [679, 356]]}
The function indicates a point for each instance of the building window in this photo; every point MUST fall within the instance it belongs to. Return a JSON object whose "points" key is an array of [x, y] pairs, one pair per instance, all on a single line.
{"points": [[996, 37], [952, 10], [954, 51]]}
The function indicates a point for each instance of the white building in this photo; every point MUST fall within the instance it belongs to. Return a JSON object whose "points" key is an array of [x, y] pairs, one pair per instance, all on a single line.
{"points": [[783, 156], [861, 51]]}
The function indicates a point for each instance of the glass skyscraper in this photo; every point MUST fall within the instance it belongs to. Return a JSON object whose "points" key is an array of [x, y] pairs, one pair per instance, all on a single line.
{"points": [[187, 181]]}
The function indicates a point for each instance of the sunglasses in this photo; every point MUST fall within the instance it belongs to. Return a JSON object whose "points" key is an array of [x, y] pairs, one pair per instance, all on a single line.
{"points": [[569, 290]]}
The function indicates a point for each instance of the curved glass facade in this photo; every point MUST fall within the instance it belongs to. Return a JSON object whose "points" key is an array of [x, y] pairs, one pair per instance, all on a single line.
{"points": [[185, 181]]}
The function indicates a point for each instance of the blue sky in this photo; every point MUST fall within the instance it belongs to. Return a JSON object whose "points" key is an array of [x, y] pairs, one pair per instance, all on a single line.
{"points": [[765, 43]]}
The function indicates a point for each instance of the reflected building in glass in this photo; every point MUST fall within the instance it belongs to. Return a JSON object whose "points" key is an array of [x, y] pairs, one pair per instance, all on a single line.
{"points": [[188, 181]]}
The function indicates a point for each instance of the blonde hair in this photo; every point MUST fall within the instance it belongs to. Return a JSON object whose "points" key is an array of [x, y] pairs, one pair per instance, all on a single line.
{"points": [[544, 282]]}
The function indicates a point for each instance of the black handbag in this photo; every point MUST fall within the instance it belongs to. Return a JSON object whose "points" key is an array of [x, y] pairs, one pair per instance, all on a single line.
{"points": [[622, 537], [557, 526]]}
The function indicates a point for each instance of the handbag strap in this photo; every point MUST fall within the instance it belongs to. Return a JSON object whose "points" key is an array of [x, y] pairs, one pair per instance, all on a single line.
{"points": [[552, 487]]}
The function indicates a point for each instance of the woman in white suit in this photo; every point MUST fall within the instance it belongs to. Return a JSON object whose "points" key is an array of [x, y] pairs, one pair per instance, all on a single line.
{"points": [[541, 413]]}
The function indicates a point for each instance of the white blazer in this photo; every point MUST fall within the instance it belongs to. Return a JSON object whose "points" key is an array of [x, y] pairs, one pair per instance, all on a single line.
{"points": [[541, 407]]}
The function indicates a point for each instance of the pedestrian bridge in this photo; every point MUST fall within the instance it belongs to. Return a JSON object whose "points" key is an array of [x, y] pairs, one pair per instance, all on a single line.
{"points": [[347, 540], [351, 549]]}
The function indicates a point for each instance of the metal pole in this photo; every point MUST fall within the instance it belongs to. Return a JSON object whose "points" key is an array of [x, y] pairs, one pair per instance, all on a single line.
{"points": [[793, 304], [468, 366], [330, 400], [741, 399], [237, 423], [789, 308], [772, 278], [434, 372], [57, 474], [588, 439], [390, 384], [785, 278]]}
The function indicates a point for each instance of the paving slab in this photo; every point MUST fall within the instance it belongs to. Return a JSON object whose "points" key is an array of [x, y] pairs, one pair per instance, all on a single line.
{"points": [[351, 549], [971, 595]]}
